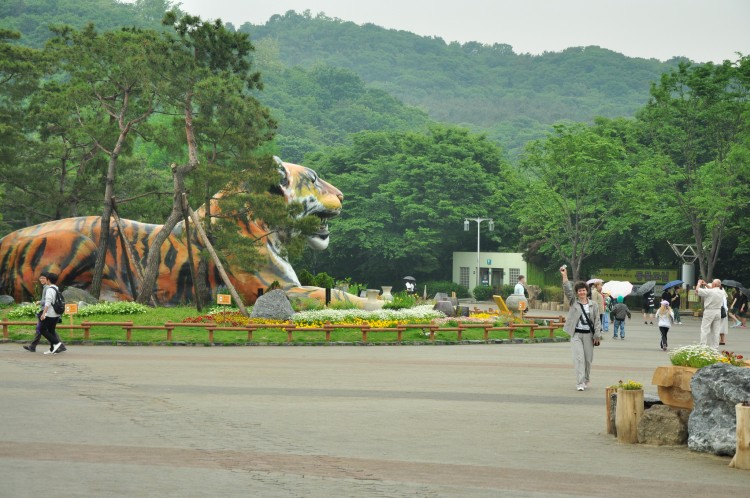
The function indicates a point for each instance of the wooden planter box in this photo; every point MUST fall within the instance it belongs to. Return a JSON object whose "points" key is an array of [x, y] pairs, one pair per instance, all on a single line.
{"points": [[673, 384]]}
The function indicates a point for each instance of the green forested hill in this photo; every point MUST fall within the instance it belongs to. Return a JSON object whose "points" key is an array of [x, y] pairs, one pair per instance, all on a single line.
{"points": [[511, 97], [490, 88]]}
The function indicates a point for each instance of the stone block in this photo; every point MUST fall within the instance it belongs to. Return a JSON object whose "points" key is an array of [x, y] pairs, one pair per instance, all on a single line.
{"points": [[663, 425]]}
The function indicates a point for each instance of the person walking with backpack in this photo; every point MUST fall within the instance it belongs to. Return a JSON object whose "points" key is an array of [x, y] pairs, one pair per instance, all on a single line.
{"points": [[619, 312], [50, 316]]}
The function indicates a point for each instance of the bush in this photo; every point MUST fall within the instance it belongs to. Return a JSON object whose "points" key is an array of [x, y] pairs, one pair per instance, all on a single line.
{"points": [[306, 278], [483, 293], [324, 280], [306, 304], [445, 286], [553, 294], [507, 290], [401, 300]]}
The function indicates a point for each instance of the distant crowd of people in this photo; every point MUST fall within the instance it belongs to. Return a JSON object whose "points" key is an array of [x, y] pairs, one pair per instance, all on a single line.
{"points": [[592, 309]]}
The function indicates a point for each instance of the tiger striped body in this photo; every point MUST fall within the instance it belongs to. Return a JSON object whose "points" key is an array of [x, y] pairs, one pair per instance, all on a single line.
{"points": [[68, 247]]}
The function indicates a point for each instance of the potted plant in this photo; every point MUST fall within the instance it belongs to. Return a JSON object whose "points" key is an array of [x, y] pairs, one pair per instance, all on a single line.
{"points": [[673, 382], [629, 411]]}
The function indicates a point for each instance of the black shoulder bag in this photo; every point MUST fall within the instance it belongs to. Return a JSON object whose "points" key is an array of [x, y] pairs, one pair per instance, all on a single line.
{"points": [[591, 325]]}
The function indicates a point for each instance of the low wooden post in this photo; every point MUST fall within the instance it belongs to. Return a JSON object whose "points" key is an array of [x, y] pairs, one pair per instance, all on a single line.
{"points": [[741, 458], [328, 327], [86, 330], [628, 413], [608, 392], [5, 328]]}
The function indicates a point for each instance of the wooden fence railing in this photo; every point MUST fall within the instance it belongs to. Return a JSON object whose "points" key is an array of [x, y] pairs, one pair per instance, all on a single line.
{"points": [[290, 328]]}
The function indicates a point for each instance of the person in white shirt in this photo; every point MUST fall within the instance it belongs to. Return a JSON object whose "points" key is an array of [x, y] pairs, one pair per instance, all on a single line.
{"points": [[520, 286]]}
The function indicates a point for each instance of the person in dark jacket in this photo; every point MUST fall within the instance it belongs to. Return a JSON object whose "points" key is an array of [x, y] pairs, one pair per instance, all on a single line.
{"points": [[619, 312]]}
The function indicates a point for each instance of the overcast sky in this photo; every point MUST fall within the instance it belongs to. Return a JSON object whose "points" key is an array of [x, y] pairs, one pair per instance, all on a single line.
{"points": [[703, 30]]}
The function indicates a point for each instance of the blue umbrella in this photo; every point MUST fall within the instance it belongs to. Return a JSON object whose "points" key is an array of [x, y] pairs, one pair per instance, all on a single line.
{"points": [[673, 283]]}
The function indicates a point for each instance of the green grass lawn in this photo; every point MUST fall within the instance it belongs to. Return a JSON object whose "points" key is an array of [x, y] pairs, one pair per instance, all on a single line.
{"points": [[198, 335]]}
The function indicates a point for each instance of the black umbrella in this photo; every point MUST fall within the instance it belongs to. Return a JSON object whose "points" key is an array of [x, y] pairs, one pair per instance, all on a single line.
{"points": [[646, 288], [410, 278], [731, 283], [746, 292]]}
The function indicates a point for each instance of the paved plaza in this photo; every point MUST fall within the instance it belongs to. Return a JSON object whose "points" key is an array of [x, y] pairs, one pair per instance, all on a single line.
{"points": [[387, 421]]}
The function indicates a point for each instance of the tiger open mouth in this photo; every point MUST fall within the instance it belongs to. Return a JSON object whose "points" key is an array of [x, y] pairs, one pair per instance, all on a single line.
{"points": [[319, 240]]}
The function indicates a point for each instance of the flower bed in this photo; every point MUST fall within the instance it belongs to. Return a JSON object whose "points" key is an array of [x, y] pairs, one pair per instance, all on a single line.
{"points": [[698, 356]]}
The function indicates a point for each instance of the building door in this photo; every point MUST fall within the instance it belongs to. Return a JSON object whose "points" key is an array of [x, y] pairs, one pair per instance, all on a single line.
{"points": [[497, 280]]}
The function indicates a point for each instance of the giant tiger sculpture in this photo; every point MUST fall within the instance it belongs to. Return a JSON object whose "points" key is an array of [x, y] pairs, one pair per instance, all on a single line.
{"points": [[68, 247]]}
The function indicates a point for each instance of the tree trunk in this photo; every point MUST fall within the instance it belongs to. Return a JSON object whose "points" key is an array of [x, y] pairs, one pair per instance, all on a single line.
{"points": [[217, 262]]}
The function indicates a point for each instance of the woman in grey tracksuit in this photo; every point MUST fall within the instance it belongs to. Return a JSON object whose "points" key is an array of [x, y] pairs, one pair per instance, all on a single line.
{"points": [[585, 333]]}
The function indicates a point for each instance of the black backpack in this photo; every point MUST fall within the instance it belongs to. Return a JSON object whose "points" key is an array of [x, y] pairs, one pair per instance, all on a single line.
{"points": [[59, 304]]}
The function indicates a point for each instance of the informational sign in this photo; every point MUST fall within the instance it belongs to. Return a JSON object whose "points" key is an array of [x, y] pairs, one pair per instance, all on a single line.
{"points": [[521, 305], [637, 275], [693, 296], [223, 298], [71, 308], [489, 262]]}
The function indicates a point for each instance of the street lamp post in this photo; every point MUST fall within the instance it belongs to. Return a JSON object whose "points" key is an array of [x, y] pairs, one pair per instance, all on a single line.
{"points": [[479, 221]]}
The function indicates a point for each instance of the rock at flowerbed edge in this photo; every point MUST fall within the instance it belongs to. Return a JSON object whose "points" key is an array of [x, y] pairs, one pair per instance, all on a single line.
{"points": [[717, 389], [273, 305]]}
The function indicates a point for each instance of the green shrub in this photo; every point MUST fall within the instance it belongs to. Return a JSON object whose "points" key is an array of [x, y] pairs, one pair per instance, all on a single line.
{"points": [[115, 308], [342, 305], [446, 286], [306, 278], [324, 280], [306, 304], [507, 290], [483, 293], [553, 294], [401, 300]]}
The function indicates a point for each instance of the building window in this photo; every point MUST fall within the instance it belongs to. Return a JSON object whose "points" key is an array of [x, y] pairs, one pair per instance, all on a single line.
{"points": [[464, 277], [513, 274]]}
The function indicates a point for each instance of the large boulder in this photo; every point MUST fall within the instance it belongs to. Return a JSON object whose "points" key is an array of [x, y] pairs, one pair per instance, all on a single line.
{"points": [[76, 295], [6, 299], [716, 390], [446, 307], [663, 425], [274, 305]]}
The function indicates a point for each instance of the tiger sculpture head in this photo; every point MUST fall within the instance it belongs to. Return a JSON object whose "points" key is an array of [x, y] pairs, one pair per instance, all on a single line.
{"points": [[68, 247]]}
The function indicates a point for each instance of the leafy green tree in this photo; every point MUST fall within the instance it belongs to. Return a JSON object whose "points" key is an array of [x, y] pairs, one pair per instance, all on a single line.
{"points": [[406, 196], [115, 85], [570, 198], [209, 72], [697, 125], [20, 71]]}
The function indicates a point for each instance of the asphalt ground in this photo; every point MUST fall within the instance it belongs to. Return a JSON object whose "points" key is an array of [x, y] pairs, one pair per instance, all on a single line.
{"points": [[391, 421]]}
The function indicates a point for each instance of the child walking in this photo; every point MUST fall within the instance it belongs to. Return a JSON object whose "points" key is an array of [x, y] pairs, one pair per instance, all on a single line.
{"points": [[619, 312], [665, 319]]}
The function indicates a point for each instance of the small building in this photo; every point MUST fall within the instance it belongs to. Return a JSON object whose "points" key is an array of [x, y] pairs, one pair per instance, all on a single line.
{"points": [[495, 269]]}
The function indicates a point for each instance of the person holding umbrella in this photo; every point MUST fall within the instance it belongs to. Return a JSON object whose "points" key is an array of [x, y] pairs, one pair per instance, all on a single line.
{"points": [[583, 325], [411, 284]]}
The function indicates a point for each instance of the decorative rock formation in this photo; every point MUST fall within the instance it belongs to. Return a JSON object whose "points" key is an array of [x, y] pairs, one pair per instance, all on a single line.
{"points": [[75, 295], [274, 305], [5, 299], [716, 390], [446, 307], [663, 425]]}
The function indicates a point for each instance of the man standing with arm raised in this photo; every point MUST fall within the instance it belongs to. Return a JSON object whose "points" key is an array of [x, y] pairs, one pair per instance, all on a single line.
{"points": [[713, 298]]}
